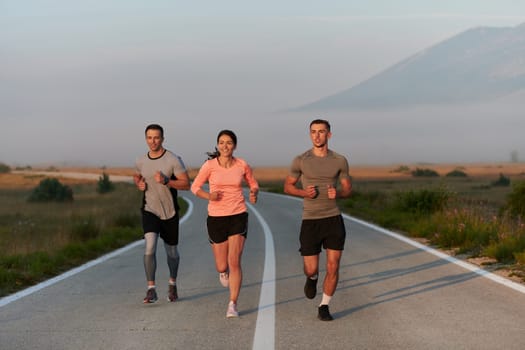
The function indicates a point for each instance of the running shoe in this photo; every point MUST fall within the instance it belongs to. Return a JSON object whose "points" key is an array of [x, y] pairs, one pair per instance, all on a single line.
{"points": [[172, 293], [151, 296], [324, 313], [310, 288], [224, 278], [232, 310]]}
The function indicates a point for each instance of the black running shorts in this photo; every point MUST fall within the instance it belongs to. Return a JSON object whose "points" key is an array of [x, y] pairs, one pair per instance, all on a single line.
{"points": [[221, 227], [168, 229], [329, 233]]}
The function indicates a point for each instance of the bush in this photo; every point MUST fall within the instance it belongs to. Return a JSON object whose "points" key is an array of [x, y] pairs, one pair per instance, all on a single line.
{"points": [[401, 169], [424, 173], [507, 250], [4, 168], [104, 184], [50, 190], [516, 200], [502, 181], [456, 173], [422, 201]]}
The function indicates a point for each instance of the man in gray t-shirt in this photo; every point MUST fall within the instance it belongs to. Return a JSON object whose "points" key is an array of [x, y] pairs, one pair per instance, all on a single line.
{"points": [[160, 173], [319, 170]]}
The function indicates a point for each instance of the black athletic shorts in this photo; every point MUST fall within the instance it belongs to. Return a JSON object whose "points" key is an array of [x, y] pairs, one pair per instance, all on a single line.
{"points": [[168, 229], [221, 227], [329, 233]]}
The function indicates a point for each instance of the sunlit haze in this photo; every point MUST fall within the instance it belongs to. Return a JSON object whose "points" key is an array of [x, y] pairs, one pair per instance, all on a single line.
{"points": [[81, 80]]}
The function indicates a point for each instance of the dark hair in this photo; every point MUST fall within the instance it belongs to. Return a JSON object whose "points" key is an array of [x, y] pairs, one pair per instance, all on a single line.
{"points": [[155, 127], [231, 134], [321, 121]]}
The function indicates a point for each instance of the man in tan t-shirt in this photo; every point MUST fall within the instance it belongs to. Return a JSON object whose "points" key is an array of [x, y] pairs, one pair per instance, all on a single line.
{"points": [[319, 169]]}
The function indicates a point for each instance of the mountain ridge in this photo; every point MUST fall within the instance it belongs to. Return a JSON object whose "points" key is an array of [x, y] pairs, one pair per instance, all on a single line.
{"points": [[478, 64]]}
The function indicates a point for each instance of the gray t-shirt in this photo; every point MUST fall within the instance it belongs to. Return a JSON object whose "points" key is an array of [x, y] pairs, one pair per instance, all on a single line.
{"points": [[158, 199], [320, 172]]}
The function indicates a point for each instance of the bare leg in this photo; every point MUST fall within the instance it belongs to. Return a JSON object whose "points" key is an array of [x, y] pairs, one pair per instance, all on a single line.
{"points": [[311, 265], [235, 248], [333, 258]]}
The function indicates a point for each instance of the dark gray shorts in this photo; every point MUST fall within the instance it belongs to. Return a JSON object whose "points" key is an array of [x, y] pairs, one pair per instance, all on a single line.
{"points": [[329, 233]]}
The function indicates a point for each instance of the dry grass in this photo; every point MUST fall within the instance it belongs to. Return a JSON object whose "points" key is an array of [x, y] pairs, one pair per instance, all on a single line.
{"points": [[358, 172], [24, 181]]}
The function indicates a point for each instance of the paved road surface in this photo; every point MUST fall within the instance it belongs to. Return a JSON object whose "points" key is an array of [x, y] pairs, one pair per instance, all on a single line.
{"points": [[391, 295]]}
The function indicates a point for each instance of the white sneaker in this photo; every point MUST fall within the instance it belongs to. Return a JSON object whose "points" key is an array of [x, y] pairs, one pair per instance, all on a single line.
{"points": [[224, 279], [232, 310]]}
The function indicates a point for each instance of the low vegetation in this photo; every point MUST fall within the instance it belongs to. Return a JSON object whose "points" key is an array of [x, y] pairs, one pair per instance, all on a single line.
{"points": [[49, 190], [478, 220], [4, 168], [104, 184], [41, 239]]}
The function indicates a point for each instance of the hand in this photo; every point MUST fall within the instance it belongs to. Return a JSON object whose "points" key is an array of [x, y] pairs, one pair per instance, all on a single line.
{"points": [[215, 196], [253, 195], [332, 192], [161, 178], [312, 192], [140, 182]]}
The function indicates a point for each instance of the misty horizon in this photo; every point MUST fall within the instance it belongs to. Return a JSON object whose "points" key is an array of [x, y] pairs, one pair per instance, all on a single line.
{"points": [[81, 82]]}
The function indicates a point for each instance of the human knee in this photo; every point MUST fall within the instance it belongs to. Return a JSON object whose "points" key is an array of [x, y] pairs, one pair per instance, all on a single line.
{"points": [[332, 267], [172, 251], [150, 246]]}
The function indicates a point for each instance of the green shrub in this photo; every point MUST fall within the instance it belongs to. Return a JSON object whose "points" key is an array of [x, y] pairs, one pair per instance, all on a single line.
{"points": [[4, 168], [508, 249], [422, 201], [515, 203], [401, 169], [501, 181], [104, 185], [424, 173], [466, 229], [49, 190], [456, 173], [520, 257]]}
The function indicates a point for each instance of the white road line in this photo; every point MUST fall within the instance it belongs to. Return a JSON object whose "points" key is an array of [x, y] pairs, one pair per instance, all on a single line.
{"points": [[491, 276], [264, 338], [25, 292]]}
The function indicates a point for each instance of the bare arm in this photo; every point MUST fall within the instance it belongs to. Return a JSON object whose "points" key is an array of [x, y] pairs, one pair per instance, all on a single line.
{"points": [[346, 188], [181, 182], [290, 188]]}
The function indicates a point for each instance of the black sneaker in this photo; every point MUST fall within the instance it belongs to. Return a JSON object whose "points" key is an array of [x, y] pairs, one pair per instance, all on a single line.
{"points": [[310, 288], [324, 313], [151, 296], [172, 293]]}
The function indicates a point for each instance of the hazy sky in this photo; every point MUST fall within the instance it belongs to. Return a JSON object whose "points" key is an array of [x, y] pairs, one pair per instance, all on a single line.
{"points": [[80, 80]]}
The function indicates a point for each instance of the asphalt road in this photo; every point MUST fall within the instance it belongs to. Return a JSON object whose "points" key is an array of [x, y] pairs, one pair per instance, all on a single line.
{"points": [[392, 294]]}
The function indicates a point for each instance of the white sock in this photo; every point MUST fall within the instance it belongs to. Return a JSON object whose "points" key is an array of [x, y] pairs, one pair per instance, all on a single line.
{"points": [[313, 278], [326, 299], [151, 287]]}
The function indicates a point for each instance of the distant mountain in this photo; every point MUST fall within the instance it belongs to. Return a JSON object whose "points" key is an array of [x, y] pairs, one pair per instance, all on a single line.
{"points": [[476, 65]]}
